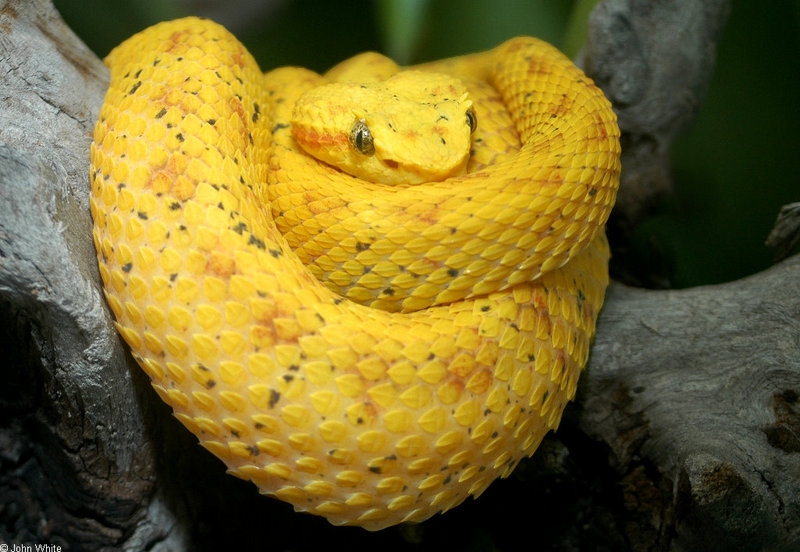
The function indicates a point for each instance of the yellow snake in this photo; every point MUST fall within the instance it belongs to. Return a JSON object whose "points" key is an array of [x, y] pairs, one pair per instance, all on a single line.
{"points": [[456, 315]]}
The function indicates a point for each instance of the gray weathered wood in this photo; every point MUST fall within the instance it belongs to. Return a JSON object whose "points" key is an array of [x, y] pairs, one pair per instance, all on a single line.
{"points": [[77, 462], [696, 393], [785, 235], [654, 61]]}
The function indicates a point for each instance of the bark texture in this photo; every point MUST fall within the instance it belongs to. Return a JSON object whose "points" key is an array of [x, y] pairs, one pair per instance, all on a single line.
{"points": [[654, 61], [685, 434]]}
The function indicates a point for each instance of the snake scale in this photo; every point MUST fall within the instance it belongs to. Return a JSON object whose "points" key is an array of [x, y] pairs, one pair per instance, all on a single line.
{"points": [[369, 309]]}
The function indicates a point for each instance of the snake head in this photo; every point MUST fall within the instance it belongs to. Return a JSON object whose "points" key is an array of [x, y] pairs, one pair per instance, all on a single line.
{"points": [[410, 128]]}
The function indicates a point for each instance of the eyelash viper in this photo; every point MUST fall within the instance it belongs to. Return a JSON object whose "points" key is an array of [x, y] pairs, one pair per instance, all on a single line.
{"points": [[212, 227]]}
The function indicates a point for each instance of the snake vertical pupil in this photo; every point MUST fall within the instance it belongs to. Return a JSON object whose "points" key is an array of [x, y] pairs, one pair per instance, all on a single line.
{"points": [[361, 138], [472, 120]]}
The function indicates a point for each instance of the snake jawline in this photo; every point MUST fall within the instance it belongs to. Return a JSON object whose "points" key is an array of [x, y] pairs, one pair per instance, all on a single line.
{"points": [[363, 416]]}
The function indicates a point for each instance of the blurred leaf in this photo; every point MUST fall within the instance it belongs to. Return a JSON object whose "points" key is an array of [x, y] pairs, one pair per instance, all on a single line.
{"points": [[400, 23], [577, 26], [315, 34], [455, 27]]}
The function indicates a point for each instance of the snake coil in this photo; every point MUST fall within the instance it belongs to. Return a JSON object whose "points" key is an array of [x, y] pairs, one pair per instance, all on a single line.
{"points": [[455, 316]]}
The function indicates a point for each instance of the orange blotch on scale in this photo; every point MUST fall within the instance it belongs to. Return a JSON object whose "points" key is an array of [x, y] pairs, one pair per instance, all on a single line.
{"points": [[479, 382], [262, 336], [449, 392], [464, 363]]}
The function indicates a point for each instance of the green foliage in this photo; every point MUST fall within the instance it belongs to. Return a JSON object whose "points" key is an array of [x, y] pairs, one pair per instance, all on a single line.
{"points": [[102, 24], [453, 27], [311, 32], [401, 23]]}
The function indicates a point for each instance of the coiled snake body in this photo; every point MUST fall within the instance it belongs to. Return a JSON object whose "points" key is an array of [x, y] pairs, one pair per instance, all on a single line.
{"points": [[456, 315]]}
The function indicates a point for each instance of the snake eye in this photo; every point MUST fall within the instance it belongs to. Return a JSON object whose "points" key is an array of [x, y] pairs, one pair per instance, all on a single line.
{"points": [[472, 119], [361, 138]]}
